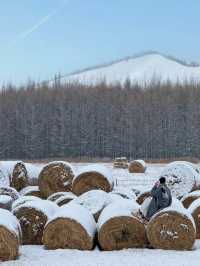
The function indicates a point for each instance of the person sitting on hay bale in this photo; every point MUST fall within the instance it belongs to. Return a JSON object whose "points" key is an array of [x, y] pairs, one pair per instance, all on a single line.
{"points": [[161, 198]]}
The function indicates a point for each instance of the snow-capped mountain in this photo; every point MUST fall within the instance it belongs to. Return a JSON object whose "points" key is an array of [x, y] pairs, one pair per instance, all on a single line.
{"points": [[141, 69]]}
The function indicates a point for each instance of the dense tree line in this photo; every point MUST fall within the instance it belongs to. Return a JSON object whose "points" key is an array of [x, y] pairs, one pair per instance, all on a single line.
{"points": [[72, 120]]}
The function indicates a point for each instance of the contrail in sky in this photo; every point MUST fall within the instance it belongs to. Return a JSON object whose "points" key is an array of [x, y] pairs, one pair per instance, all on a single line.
{"points": [[41, 22]]}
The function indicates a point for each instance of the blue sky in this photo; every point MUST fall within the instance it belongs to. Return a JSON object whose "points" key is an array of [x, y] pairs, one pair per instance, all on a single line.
{"points": [[39, 38]]}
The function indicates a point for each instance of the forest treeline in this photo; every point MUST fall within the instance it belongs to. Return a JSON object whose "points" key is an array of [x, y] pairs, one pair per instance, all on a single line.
{"points": [[72, 120]]}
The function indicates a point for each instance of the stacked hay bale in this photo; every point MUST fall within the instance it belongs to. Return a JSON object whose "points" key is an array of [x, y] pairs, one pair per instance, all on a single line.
{"points": [[10, 234], [143, 196], [72, 227], [194, 210], [137, 166], [31, 191], [65, 199], [7, 196], [121, 162], [181, 178], [190, 197], [33, 216], [94, 200], [19, 177], [55, 177], [120, 228], [22, 200], [173, 228], [55, 196], [92, 177]]}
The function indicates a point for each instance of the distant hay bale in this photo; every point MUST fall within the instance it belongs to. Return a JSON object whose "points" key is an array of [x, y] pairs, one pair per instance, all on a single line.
{"points": [[19, 178], [22, 200], [94, 200], [5, 202], [72, 227], [9, 191], [120, 228], [91, 178], [172, 228], [137, 166], [55, 177], [9, 236], [65, 199], [194, 210], [120, 162], [142, 196], [31, 191], [181, 178], [190, 197], [33, 216]]}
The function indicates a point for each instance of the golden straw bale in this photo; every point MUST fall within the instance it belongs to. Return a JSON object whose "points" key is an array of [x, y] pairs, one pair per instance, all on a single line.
{"points": [[19, 178], [137, 166]]}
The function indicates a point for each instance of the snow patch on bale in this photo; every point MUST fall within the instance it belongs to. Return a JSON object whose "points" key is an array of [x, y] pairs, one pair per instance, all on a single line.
{"points": [[31, 191]]}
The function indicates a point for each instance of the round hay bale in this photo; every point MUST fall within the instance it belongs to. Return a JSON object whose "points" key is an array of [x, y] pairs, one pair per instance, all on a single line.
{"points": [[9, 191], [55, 196], [124, 193], [55, 177], [65, 199], [120, 162], [137, 166], [92, 178], [94, 200], [9, 236], [120, 228], [19, 178], [5, 202], [142, 196], [172, 228], [189, 198], [73, 227], [194, 210], [33, 216], [23, 200], [181, 178], [31, 191]]}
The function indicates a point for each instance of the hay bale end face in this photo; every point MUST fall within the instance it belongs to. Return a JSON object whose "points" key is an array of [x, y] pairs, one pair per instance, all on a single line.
{"points": [[194, 209], [19, 178], [172, 229], [188, 199], [7, 196], [92, 178], [55, 177], [137, 166], [33, 216], [9, 236], [73, 227], [119, 227]]}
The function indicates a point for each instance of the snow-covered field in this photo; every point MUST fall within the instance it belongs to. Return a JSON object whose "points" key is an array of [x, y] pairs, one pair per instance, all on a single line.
{"points": [[37, 255]]}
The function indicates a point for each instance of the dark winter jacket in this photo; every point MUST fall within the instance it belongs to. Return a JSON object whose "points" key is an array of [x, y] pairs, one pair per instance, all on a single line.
{"points": [[161, 198]]}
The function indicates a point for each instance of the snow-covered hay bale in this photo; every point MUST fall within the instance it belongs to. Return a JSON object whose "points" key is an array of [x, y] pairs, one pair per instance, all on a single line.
{"points": [[172, 228], [120, 162], [5, 202], [19, 178], [124, 193], [142, 196], [94, 200], [22, 200], [56, 195], [92, 177], [33, 216], [190, 197], [194, 210], [9, 191], [31, 191], [73, 227], [137, 166], [65, 199], [181, 178], [55, 177], [119, 227], [9, 236]]}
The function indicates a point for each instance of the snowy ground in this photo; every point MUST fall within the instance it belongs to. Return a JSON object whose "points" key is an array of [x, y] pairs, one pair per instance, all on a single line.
{"points": [[38, 256]]}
